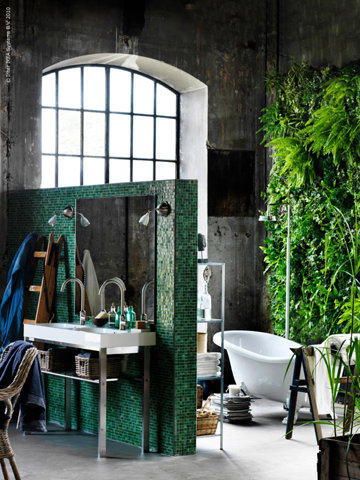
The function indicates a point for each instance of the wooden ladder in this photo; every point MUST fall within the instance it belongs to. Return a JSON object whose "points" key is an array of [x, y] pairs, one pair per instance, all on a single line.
{"points": [[305, 385], [46, 291]]}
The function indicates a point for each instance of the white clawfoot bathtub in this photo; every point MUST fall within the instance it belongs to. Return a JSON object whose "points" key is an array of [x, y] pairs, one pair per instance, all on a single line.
{"points": [[260, 361]]}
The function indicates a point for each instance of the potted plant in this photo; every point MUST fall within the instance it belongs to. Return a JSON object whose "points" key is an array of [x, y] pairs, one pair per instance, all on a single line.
{"points": [[339, 454]]}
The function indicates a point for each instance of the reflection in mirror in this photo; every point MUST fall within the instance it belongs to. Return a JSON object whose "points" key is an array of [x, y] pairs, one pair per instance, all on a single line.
{"points": [[116, 245]]}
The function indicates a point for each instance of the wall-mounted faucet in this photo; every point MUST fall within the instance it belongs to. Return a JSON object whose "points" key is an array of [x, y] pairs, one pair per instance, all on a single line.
{"points": [[143, 299], [82, 313], [117, 281]]}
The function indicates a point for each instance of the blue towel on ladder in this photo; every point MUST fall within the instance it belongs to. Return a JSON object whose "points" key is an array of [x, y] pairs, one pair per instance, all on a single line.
{"points": [[11, 309], [32, 399]]}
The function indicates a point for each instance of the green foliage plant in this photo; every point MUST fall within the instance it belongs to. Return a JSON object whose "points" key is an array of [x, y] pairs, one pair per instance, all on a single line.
{"points": [[312, 130], [343, 363]]}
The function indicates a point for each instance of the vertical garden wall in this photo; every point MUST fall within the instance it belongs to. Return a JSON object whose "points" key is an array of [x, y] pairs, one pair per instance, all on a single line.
{"points": [[313, 130]]}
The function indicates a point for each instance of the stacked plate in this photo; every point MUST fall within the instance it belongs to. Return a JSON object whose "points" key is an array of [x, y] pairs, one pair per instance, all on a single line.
{"points": [[208, 364], [236, 409]]}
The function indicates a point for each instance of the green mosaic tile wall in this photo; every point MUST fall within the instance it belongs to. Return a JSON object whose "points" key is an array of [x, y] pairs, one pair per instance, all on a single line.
{"points": [[173, 360]]}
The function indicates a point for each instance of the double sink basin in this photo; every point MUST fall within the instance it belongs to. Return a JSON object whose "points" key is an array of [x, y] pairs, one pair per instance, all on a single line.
{"points": [[90, 337]]}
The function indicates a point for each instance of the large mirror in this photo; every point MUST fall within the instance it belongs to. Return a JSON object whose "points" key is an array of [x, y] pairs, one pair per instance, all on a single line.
{"points": [[115, 244]]}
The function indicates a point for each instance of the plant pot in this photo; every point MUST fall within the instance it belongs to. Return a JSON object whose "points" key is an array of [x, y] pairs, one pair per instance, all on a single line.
{"points": [[334, 463]]}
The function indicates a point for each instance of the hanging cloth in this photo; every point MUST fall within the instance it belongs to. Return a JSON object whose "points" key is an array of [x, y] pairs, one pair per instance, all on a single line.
{"points": [[11, 308], [91, 283]]}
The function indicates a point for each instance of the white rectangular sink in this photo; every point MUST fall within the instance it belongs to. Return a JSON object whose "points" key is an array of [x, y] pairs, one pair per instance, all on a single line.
{"points": [[91, 338]]}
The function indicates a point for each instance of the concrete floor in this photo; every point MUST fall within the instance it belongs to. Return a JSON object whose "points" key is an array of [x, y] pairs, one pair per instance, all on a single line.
{"points": [[257, 451]]}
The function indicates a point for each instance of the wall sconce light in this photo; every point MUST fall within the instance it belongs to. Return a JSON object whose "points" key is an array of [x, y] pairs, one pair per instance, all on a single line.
{"points": [[68, 212], [162, 209]]}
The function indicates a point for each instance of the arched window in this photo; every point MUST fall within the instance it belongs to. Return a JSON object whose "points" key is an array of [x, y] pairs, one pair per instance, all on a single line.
{"points": [[106, 124]]}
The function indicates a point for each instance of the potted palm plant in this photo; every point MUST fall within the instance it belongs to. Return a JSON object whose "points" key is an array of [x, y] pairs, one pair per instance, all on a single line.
{"points": [[339, 454]]}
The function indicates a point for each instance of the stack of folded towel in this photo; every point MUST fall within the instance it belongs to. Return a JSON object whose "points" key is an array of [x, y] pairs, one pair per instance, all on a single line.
{"points": [[208, 364]]}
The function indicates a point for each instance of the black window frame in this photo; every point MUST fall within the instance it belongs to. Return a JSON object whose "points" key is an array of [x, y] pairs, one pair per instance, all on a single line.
{"points": [[107, 113]]}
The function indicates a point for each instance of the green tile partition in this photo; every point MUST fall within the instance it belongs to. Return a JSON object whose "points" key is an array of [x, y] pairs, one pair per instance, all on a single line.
{"points": [[173, 360]]}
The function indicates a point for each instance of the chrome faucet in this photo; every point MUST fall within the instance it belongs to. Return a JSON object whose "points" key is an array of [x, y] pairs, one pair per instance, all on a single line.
{"points": [[117, 281], [143, 300], [82, 313]]}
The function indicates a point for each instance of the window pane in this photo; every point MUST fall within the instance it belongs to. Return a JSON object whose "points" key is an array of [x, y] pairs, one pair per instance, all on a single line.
{"points": [[47, 171], [143, 95], [48, 89], [68, 171], [143, 141], [166, 138], [142, 170], [119, 171], [165, 101], [48, 131], [93, 171], [165, 170], [120, 90], [69, 88], [94, 133], [94, 88], [69, 132], [119, 142]]}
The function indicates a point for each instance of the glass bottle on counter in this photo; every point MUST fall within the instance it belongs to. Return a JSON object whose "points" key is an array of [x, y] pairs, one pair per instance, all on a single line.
{"points": [[111, 315], [130, 318], [118, 318]]}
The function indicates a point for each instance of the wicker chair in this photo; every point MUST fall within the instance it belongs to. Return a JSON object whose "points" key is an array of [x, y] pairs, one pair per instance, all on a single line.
{"points": [[6, 395]]}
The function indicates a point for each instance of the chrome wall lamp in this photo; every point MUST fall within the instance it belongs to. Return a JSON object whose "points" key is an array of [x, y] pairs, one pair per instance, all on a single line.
{"points": [[68, 212], [163, 209]]}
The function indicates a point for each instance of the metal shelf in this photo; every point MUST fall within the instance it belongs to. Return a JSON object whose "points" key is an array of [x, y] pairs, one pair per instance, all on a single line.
{"points": [[212, 320], [73, 376], [222, 359]]}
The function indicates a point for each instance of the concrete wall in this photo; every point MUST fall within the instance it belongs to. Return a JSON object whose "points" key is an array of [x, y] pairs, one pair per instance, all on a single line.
{"points": [[226, 44]]}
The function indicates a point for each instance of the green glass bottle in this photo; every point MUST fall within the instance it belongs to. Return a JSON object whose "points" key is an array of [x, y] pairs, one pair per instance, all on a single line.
{"points": [[118, 318], [130, 317]]}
